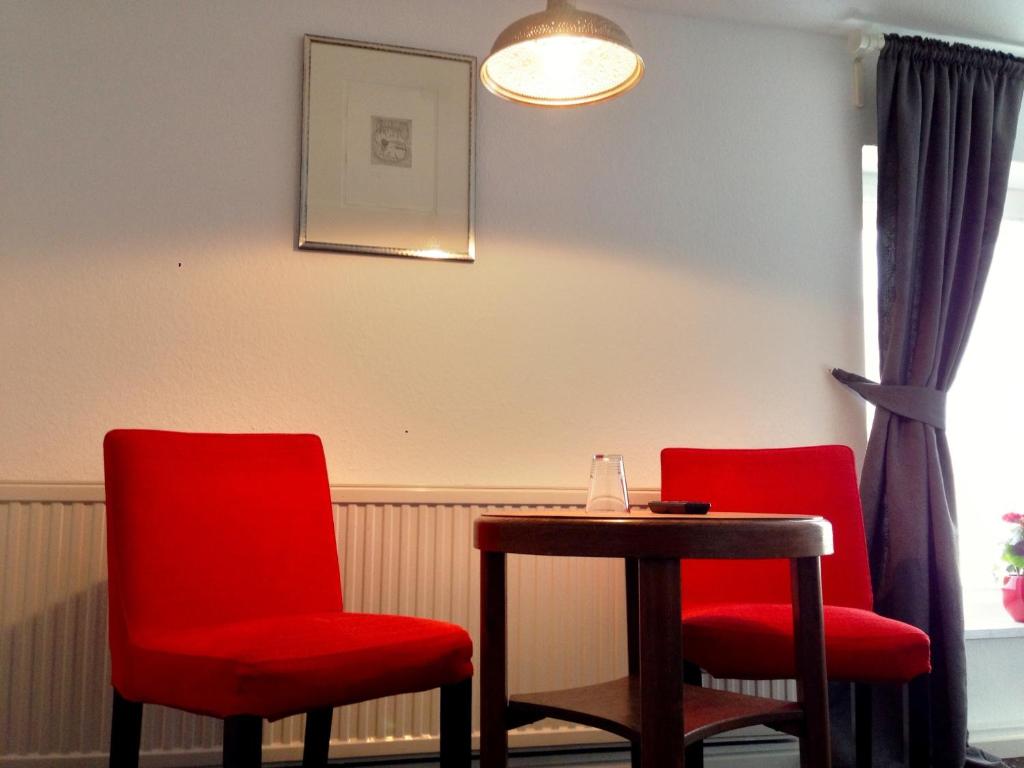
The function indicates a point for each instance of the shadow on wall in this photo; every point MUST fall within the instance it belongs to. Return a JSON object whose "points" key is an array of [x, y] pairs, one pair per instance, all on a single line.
{"points": [[57, 674], [55, 694], [56, 669]]}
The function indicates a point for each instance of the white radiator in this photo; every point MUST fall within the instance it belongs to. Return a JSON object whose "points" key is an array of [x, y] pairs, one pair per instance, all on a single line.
{"points": [[411, 556]]}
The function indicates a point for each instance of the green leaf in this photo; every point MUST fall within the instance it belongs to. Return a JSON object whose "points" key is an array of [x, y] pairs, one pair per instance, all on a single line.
{"points": [[1013, 553]]}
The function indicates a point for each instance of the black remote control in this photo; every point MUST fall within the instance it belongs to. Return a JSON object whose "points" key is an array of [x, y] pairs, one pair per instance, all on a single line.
{"points": [[679, 507]]}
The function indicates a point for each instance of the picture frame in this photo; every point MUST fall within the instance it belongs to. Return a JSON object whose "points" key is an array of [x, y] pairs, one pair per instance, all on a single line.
{"points": [[388, 150]]}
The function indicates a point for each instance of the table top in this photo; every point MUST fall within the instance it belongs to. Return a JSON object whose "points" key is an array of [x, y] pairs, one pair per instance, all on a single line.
{"points": [[635, 513], [644, 534]]}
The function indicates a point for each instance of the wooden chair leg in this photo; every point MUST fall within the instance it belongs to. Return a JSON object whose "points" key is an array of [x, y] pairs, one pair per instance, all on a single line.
{"points": [[918, 722], [243, 741], [862, 723], [125, 732], [456, 724], [695, 751], [317, 741]]}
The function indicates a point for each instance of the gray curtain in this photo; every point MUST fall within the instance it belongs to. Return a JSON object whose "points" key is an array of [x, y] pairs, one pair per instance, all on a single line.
{"points": [[947, 117]]}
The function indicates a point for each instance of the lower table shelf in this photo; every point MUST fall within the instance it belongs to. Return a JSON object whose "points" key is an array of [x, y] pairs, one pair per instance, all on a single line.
{"points": [[614, 706]]}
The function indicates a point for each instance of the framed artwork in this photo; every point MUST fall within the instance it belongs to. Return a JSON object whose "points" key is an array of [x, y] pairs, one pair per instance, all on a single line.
{"points": [[387, 150]]}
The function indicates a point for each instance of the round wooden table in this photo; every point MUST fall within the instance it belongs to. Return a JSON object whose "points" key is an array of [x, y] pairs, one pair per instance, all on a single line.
{"points": [[652, 707]]}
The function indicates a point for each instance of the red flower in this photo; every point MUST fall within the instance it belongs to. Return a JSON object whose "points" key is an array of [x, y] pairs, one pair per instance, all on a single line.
{"points": [[1013, 517]]}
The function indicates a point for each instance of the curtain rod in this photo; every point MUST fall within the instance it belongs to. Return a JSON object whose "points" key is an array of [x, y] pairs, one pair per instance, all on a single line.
{"points": [[860, 43]]}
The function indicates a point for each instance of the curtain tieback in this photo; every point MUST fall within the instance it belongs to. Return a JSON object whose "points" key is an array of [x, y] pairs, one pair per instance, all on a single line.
{"points": [[922, 404]]}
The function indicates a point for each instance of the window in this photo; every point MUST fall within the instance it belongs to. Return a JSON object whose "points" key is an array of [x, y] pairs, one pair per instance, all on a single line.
{"points": [[985, 414]]}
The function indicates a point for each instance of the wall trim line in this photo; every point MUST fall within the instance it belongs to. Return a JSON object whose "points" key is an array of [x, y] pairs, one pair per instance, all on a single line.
{"points": [[351, 494]]}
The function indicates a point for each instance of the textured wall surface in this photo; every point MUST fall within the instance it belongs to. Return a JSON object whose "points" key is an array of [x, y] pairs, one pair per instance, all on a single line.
{"points": [[678, 266]]}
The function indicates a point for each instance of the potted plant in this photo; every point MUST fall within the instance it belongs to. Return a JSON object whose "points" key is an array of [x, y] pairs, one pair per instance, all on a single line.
{"points": [[1013, 554]]}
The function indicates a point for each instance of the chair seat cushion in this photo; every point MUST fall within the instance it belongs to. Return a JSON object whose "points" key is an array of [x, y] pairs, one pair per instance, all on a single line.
{"points": [[280, 666], [755, 641]]}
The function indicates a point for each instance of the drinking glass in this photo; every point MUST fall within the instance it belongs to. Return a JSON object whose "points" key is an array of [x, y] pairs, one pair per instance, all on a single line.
{"points": [[607, 484]]}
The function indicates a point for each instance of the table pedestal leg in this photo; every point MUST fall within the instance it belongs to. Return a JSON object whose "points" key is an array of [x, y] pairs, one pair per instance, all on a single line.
{"points": [[661, 664], [632, 639], [493, 662], [812, 683]]}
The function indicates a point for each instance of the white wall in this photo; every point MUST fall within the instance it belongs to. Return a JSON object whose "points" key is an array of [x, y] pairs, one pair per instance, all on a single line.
{"points": [[678, 266]]}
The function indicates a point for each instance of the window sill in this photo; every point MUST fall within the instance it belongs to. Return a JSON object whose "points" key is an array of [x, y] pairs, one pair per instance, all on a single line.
{"points": [[985, 618]]}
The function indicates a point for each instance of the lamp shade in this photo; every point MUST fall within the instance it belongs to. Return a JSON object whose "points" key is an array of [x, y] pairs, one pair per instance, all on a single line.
{"points": [[561, 57]]}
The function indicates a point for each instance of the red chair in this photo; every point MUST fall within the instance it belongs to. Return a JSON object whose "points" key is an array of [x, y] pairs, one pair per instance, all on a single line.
{"points": [[737, 620], [225, 598]]}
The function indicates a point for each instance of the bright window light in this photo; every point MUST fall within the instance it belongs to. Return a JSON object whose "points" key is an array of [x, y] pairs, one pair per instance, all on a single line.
{"points": [[984, 420]]}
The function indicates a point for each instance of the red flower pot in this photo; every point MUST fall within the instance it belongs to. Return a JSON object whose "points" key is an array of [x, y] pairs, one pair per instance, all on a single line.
{"points": [[1013, 596]]}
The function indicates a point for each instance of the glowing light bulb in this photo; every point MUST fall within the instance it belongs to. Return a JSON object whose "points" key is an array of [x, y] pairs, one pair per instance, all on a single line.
{"points": [[561, 57]]}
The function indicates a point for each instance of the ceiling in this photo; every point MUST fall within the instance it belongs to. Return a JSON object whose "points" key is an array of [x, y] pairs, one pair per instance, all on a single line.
{"points": [[998, 21]]}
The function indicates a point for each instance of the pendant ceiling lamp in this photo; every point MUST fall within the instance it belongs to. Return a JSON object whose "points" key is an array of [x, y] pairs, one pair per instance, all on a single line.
{"points": [[561, 57]]}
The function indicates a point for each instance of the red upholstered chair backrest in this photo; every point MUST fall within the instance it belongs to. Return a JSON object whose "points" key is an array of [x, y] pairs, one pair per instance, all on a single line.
{"points": [[815, 480], [205, 529]]}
